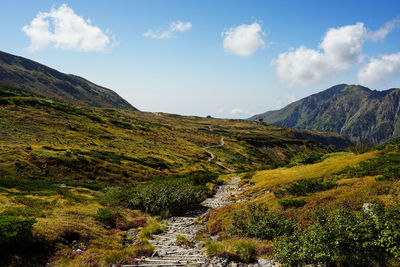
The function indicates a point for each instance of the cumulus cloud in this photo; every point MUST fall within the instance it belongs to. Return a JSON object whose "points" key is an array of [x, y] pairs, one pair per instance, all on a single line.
{"points": [[340, 48], [380, 70], [176, 26], [244, 39], [382, 32], [63, 29], [236, 111]]}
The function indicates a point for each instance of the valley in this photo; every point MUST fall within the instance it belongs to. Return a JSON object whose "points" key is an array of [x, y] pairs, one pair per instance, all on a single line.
{"points": [[101, 183]]}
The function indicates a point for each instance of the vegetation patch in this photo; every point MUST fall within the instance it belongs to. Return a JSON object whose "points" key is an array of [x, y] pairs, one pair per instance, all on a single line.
{"points": [[168, 196], [344, 237], [257, 221], [292, 202], [304, 187]]}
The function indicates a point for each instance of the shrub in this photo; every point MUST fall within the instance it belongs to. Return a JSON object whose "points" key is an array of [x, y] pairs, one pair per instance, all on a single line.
{"points": [[292, 202], [305, 186], [246, 249], [18, 246], [387, 163], [214, 248], [15, 230], [343, 237], [306, 158], [108, 217], [257, 221], [173, 196], [361, 148]]}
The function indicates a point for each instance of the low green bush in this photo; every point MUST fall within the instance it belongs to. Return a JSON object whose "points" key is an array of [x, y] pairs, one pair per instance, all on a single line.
{"points": [[387, 163], [108, 217], [306, 158], [246, 249], [344, 237], [18, 245], [292, 202], [257, 221], [166, 196], [305, 186], [15, 230]]}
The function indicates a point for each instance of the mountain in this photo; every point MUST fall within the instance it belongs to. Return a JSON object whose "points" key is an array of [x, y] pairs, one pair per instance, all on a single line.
{"points": [[362, 114], [31, 76]]}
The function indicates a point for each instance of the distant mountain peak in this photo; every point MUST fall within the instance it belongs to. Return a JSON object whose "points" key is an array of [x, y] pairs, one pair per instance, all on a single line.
{"points": [[37, 78], [364, 115]]}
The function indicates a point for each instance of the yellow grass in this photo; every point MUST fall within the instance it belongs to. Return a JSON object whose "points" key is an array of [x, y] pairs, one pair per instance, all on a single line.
{"points": [[272, 179]]}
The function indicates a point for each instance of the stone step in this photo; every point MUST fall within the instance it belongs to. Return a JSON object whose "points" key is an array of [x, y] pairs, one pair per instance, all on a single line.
{"points": [[166, 260], [184, 257]]}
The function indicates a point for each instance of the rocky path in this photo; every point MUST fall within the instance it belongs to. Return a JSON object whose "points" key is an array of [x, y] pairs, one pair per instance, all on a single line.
{"points": [[168, 252], [212, 156]]}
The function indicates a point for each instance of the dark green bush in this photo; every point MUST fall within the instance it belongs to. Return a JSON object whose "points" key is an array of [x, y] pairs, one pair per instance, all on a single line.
{"points": [[162, 196], [344, 237], [257, 221], [306, 186], [387, 163], [306, 158], [292, 202], [361, 148], [108, 217], [18, 245], [15, 230]]}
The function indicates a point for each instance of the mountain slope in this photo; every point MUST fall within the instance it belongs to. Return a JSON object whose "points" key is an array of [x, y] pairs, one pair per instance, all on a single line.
{"points": [[46, 139], [23, 73], [352, 110]]}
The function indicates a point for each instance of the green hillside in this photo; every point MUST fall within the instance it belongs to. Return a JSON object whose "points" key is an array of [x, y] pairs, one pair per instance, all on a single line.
{"points": [[352, 110], [45, 139], [342, 211], [31, 76], [76, 179]]}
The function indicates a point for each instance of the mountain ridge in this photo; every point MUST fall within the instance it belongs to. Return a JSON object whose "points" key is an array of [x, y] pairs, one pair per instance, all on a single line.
{"points": [[362, 114], [20, 72]]}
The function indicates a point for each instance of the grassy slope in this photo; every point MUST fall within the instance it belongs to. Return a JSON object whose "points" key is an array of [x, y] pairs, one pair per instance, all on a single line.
{"points": [[44, 139], [355, 186], [34, 77], [55, 159]]}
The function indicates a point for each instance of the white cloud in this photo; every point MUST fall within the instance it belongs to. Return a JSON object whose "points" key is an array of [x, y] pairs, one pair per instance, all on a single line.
{"points": [[340, 49], [236, 111], [382, 32], [244, 39], [176, 26], [63, 29], [301, 66], [342, 46], [380, 70]]}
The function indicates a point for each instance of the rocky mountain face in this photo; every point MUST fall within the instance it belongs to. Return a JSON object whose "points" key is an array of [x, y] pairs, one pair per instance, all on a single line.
{"points": [[31, 76], [362, 114]]}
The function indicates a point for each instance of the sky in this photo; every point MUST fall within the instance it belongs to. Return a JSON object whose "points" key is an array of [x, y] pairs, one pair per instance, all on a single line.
{"points": [[225, 58]]}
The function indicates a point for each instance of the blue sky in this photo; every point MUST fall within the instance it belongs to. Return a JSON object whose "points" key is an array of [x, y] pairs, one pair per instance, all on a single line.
{"points": [[221, 58]]}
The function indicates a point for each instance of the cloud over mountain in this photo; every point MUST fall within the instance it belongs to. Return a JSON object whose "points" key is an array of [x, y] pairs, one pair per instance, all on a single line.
{"points": [[339, 50], [62, 28], [243, 40]]}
